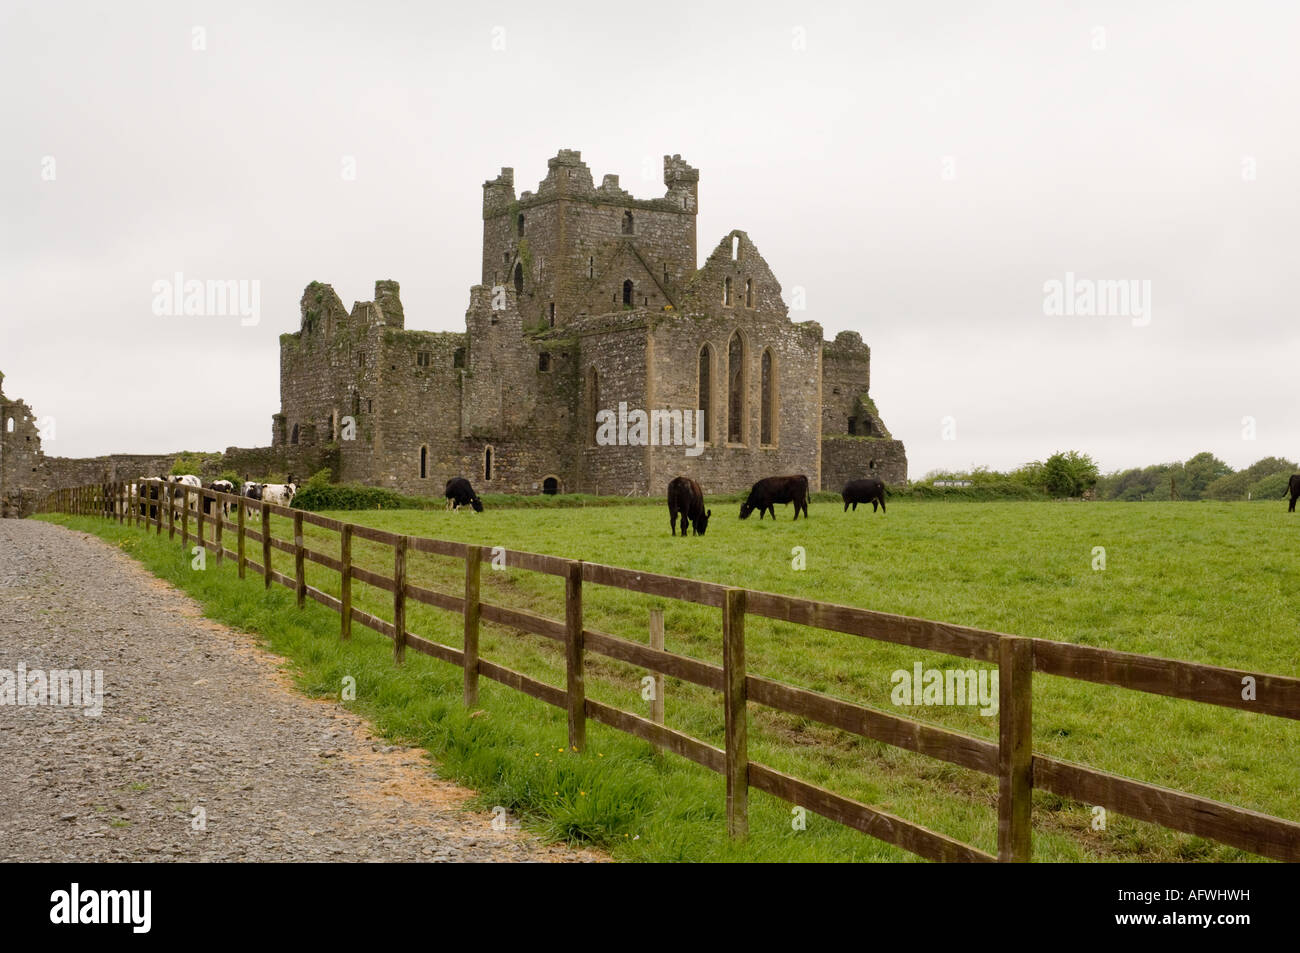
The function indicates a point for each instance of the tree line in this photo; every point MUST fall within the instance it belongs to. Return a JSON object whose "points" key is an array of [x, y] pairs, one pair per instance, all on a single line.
{"points": [[1070, 473]]}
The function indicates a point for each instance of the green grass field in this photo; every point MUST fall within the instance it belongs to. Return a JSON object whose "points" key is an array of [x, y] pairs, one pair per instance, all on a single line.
{"points": [[1208, 582]]}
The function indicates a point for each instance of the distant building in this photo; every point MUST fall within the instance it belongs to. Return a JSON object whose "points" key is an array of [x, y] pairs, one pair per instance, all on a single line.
{"points": [[588, 299]]}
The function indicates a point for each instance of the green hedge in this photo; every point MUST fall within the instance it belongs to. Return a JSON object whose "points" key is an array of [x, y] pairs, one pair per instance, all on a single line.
{"points": [[347, 496]]}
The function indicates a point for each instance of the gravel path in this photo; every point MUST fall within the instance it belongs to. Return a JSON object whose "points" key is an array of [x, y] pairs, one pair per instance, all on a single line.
{"points": [[196, 716]]}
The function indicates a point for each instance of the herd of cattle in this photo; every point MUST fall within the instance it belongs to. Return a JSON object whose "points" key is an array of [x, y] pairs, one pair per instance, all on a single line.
{"points": [[685, 497], [177, 486]]}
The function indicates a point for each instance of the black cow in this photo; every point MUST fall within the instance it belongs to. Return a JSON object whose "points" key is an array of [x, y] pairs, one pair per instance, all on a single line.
{"points": [[459, 493], [686, 497], [149, 495], [865, 491], [1293, 487], [772, 490]]}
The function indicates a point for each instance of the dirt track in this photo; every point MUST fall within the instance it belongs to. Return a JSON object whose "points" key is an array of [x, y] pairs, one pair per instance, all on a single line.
{"points": [[195, 716]]}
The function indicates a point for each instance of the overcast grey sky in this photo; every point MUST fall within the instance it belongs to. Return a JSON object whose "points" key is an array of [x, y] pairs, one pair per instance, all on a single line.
{"points": [[921, 170]]}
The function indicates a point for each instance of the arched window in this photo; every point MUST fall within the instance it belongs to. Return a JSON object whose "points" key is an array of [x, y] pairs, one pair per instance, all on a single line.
{"points": [[424, 463], [705, 422], [627, 223], [519, 277], [550, 486], [520, 224], [726, 291], [749, 292], [735, 247], [294, 438], [593, 404], [10, 425], [767, 410], [487, 463], [627, 291], [736, 389]]}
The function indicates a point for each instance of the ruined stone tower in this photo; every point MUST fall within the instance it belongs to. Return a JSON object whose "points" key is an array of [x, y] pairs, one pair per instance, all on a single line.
{"points": [[589, 300]]}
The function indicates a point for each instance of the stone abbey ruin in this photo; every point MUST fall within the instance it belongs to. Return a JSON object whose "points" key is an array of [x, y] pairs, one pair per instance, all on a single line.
{"points": [[589, 300]]}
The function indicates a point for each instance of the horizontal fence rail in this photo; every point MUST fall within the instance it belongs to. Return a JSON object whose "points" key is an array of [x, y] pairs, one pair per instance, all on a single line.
{"points": [[153, 504]]}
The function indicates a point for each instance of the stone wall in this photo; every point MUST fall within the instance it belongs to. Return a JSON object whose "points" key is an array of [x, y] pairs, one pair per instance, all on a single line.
{"points": [[853, 458], [21, 460]]}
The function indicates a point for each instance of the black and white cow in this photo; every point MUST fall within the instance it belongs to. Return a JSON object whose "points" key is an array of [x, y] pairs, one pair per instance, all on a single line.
{"points": [[185, 480], [281, 494], [219, 486]]}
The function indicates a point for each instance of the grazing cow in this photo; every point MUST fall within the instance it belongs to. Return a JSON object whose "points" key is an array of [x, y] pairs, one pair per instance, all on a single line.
{"points": [[865, 491], [281, 494], [459, 493], [1293, 488], [686, 497], [772, 490]]}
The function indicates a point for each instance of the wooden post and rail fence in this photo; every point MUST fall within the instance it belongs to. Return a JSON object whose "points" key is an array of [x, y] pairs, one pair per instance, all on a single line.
{"points": [[1010, 759]]}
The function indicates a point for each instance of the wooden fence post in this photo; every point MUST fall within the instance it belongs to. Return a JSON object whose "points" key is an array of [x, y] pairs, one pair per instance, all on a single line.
{"points": [[239, 532], [185, 519], [299, 564], [473, 569], [657, 642], [736, 714], [171, 511], [345, 581], [1015, 748], [203, 539], [218, 516], [399, 600], [266, 544], [158, 492], [573, 656]]}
